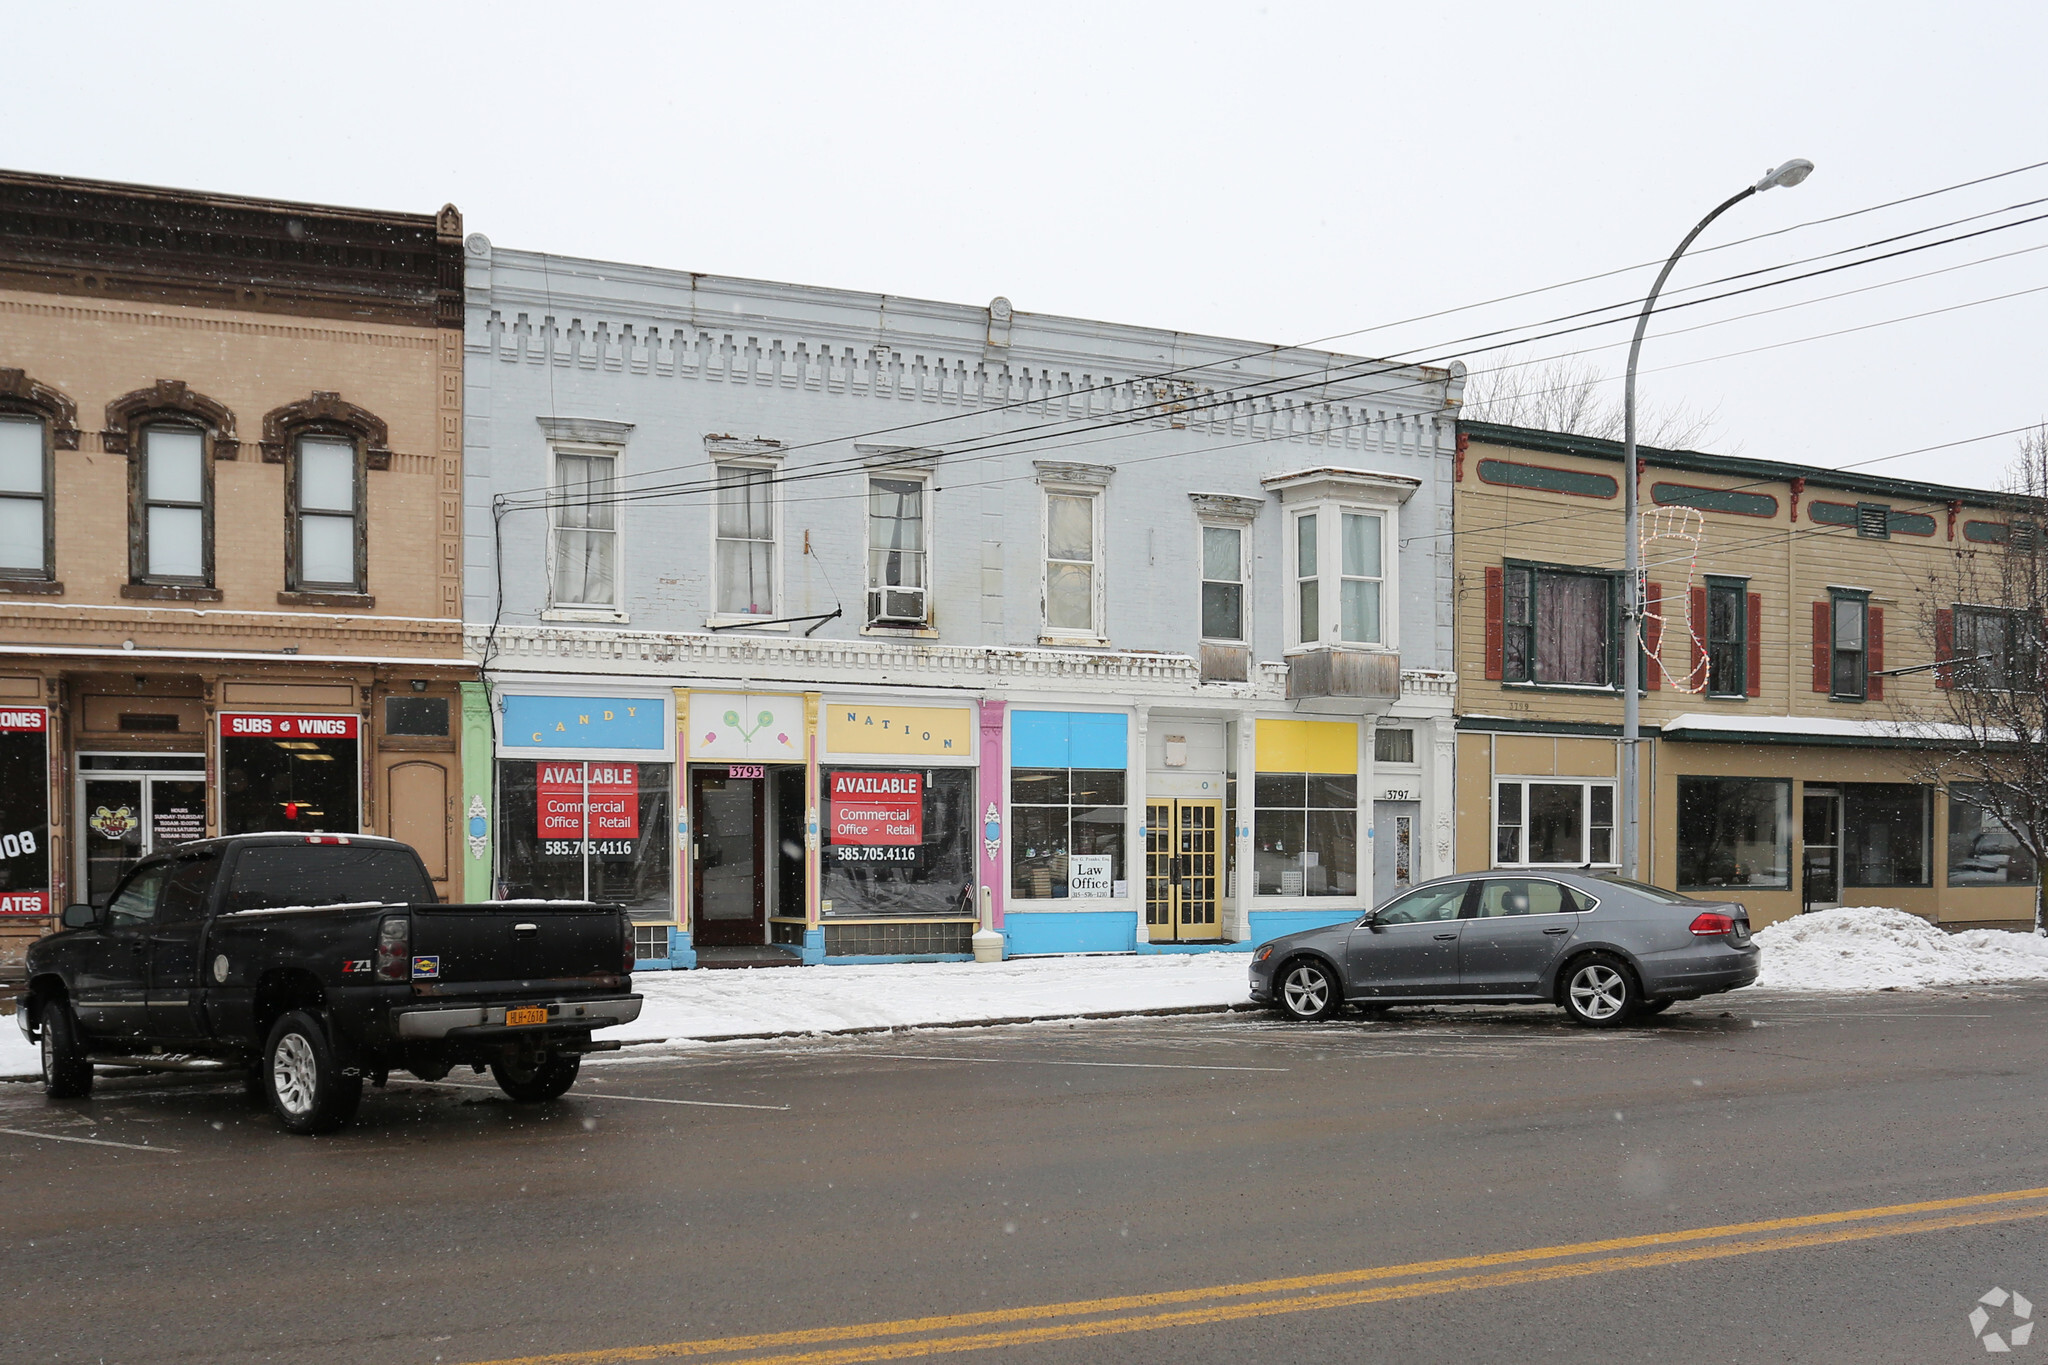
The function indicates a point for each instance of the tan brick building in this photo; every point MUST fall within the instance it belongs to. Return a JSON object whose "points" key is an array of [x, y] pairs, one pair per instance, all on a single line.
{"points": [[230, 528], [1779, 762]]}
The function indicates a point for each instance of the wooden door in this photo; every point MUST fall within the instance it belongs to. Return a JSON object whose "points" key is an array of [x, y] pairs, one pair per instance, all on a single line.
{"points": [[1183, 871]]}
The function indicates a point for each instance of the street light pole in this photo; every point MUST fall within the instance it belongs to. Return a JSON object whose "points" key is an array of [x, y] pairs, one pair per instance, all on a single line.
{"points": [[1789, 174]]}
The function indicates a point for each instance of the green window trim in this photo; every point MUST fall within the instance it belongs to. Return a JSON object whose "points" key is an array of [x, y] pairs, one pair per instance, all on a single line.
{"points": [[1580, 484], [1742, 504]]}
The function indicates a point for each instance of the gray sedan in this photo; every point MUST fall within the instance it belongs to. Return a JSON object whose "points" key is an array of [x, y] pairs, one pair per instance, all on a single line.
{"points": [[1604, 948]]}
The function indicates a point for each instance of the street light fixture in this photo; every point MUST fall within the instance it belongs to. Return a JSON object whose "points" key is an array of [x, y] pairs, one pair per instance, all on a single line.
{"points": [[1788, 174]]}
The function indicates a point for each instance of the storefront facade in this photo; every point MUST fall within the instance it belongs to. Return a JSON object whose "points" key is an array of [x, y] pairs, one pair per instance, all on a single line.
{"points": [[1794, 676], [230, 546], [1084, 709]]}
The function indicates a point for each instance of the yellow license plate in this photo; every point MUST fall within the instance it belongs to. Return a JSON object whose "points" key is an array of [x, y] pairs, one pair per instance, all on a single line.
{"points": [[530, 1016]]}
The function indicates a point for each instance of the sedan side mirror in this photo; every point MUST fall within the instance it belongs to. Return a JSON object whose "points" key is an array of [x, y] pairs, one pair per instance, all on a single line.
{"points": [[1371, 921], [79, 916]]}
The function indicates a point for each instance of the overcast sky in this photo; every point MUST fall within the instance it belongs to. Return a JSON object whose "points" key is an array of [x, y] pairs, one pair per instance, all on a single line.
{"points": [[1276, 172]]}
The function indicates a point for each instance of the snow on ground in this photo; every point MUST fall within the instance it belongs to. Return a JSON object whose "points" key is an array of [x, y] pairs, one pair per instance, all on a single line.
{"points": [[1860, 948], [704, 1004]]}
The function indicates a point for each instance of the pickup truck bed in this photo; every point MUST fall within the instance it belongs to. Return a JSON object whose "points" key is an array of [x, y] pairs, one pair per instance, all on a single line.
{"points": [[319, 961]]}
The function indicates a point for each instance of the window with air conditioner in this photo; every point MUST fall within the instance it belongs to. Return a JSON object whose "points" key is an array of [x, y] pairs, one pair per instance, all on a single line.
{"points": [[899, 589]]}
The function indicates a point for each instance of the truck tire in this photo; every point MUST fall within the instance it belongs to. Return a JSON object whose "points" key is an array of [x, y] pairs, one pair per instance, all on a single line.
{"points": [[67, 1075], [302, 1080], [532, 1079]]}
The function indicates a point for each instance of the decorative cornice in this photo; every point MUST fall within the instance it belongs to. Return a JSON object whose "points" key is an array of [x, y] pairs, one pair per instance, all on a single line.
{"points": [[596, 431], [720, 447], [872, 662], [1226, 507], [167, 397], [1074, 472], [18, 392], [326, 410]]}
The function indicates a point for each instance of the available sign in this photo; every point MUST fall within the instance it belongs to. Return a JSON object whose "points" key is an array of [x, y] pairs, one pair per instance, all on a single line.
{"points": [[614, 796], [242, 724], [24, 811], [877, 808]]}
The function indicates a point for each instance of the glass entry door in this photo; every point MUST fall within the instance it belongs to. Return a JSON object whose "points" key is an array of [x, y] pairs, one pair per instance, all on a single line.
{"points": [[1183, 871], [125, 814], [1821, 867], [727, 814]]}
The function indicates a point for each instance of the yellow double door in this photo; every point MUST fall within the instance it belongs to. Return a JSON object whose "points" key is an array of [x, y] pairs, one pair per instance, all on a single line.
{"points": [[1183, 870]]}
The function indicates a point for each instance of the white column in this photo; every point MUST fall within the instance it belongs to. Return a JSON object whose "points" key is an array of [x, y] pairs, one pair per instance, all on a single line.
{"points": [[1247, 876], [1439, 833]]}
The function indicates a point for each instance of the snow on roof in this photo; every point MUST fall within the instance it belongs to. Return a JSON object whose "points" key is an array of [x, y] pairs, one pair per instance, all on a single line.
{"points": [[1817, 727]]}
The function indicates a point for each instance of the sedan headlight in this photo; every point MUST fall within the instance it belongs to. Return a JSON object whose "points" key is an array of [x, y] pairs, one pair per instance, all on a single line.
{"points": [[1263, 953]]}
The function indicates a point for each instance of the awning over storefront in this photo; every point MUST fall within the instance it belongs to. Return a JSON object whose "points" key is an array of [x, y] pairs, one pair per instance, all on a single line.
{"points": [[1810, 730]]}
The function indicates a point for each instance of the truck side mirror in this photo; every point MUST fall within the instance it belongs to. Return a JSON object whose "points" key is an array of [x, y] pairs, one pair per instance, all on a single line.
{"points": [[79, 916]]}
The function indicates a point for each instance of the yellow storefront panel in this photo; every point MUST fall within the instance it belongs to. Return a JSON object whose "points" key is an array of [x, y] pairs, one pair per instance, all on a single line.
{"points": [[881, 728], [1306, 746]]}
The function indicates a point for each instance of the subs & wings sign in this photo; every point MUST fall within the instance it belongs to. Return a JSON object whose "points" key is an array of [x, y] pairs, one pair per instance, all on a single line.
{"points": [[24, 811]]}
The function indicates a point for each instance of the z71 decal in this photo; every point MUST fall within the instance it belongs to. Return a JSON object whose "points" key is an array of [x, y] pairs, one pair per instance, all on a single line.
{"points": [[426, 966], [356, 966]]}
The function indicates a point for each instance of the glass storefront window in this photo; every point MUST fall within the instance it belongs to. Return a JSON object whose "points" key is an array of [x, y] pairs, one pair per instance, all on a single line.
{"points": [[1734, 832], [1067, 832], [1981, 851], [899, 841], [626, 858], [1884, 834], [290, 773], [1305, 832]]}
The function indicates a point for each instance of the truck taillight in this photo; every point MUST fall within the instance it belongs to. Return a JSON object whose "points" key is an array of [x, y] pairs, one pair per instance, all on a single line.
{"points": [[1712, 924], [394, 949], [626, 952]]}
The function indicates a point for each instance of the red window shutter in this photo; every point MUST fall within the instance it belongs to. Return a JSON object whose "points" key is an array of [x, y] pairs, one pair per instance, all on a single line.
{"points": [[1821, 627], [1496, 595], [1944, 646], [1875, 690], [1698, 676], [1754, 665], [1653, 635]]}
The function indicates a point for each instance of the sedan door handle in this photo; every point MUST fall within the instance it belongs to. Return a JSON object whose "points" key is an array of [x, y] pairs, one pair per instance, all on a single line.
{"points": [[1560, 929], [1446, 936]]}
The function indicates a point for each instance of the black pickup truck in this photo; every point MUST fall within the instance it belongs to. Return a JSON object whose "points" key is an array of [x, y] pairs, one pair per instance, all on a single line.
{"points": [[317, 961]]}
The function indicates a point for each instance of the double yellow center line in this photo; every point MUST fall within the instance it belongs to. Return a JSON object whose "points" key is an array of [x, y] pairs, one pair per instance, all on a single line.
{"points": [[981, 1331]]}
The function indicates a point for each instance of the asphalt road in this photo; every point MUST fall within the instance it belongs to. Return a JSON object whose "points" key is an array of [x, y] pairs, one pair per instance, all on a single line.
{"points": [[1463, 1185]]}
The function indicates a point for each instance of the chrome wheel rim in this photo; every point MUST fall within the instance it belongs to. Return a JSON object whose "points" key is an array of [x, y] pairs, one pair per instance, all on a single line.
{"points": [[1307, 990], [1598, 992], [292, 1072], [49, 1053]]}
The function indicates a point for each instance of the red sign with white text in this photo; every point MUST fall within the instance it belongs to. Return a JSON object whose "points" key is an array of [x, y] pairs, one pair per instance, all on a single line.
{"points": [[244, 725], [877, 808], [25, 719], [24, 811], [614, 800]]}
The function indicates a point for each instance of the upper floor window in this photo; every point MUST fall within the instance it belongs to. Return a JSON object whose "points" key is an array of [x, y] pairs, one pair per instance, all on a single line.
{"points": [[1341, 526], [1070, 562], [1393, 746], [172, 488], [1361, 562], [1557, 626], [25, 502], [745, 570], [1849, 645], [327, 550], [1995, 648], [1308, 583], [898, 589], [1223, 583], [584, 563], [1727, 636]]}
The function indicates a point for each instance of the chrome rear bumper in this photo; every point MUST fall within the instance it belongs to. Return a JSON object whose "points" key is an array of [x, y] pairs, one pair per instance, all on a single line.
{"points": [[582, 1014]]}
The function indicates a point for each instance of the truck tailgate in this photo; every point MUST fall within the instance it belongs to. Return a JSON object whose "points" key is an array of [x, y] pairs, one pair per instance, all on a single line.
{"points": [[466, 949]]}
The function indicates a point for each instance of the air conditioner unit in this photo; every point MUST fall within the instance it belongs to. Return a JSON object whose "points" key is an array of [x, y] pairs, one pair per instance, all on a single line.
{"points": [[896, 606]]}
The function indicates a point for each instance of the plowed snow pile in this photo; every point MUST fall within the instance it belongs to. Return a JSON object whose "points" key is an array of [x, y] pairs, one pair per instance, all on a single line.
{"points": [[1859, 948]]}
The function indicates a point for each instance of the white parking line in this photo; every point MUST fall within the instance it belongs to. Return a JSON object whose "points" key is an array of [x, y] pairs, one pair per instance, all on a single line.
{"points": [[600, 1095], [1049, 1061], [96, 1142]]}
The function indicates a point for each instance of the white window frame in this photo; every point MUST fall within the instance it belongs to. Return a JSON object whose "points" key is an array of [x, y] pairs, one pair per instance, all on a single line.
{"points": [[1586, 786], [586, 436], [1226, 512], [1330, 494], [758, 456], [919, 474], [1060, 478], [46, 503]]}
